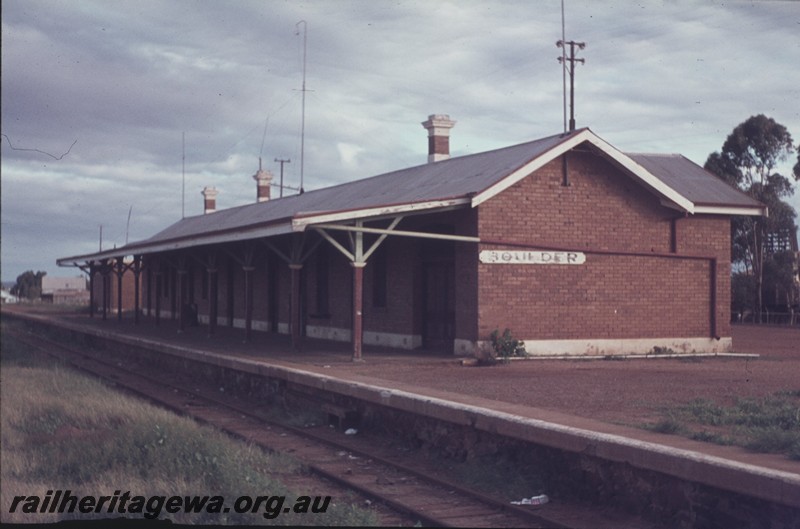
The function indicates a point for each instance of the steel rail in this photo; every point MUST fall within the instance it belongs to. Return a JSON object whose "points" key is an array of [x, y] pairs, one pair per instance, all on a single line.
{"points": [[402, 508]]}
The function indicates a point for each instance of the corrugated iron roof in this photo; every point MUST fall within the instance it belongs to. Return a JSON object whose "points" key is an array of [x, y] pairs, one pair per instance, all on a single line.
{"points": [[446, 179], [455, 179], [692, 181]]}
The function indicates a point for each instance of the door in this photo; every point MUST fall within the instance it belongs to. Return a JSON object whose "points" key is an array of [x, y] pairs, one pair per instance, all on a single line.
{"points": [[439, 310]]}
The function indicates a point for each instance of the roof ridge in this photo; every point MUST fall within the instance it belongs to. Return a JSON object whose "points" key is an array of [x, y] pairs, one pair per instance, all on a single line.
{"points": [[393, 171]]}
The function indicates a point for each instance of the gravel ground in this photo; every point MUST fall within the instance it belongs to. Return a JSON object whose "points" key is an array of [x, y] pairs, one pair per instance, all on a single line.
{"points": [[618, 391]]}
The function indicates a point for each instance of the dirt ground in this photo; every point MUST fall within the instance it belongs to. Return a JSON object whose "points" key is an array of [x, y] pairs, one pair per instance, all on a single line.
{"points": [[628, 392], [619, 391]]}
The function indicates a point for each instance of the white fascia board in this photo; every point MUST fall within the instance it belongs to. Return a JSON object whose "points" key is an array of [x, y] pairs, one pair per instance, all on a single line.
{"points": [[586, 136], [643, 174], [732, 210], [79, 260], [300, 224], [530, 167], [179, 244], [747, 211]]}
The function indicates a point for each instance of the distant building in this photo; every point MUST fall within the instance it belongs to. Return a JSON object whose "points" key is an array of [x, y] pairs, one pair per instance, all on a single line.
{"points": [[7, 297], [65, 290]]}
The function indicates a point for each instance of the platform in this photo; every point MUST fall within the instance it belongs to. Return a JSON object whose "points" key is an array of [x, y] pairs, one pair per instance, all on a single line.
{"points": [[427, 384]]}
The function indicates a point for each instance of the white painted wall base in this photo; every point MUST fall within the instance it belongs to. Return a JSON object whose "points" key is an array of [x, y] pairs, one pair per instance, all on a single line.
{"points": [[239, 323], [164, 313], [328, 333], [388, 339], [608, 347], [385, 339]]}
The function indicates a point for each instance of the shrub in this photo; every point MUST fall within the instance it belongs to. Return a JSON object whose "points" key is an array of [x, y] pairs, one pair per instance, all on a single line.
{"points": [[506, 346]]}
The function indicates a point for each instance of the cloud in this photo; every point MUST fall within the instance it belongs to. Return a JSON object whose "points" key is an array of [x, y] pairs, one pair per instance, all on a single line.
{"points": [[129, 80]]}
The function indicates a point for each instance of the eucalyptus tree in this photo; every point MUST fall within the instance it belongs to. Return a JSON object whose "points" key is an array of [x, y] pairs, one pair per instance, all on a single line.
{"points": [[748, 160]]}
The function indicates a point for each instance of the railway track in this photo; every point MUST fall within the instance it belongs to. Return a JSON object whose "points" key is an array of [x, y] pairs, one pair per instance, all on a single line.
{"points": [[416, 495]]}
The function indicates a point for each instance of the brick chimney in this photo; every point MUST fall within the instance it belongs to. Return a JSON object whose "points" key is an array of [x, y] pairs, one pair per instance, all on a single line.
{"points": [[438, 126], [263, 180], [209, 199]]}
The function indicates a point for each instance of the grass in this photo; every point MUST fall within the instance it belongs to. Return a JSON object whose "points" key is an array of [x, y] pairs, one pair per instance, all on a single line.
{"points": [[64, 430], [770, 424]]}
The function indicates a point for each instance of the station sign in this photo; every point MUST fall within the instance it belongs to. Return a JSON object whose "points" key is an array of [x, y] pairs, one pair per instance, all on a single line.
{"points": [[531, 257]]}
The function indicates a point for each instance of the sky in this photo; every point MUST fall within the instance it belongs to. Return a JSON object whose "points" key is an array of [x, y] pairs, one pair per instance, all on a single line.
{"points": [[116, 114]]}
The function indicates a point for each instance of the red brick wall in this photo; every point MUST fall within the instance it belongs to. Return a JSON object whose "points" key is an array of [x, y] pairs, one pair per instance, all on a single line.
{"points": [[340, 281], [607, 297], [610, 296], [710, 235], [401, 271], [128, 301], [403, 313], [602, 209]]}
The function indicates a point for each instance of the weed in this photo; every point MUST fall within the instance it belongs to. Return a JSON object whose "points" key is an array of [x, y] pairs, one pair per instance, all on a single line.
{"points": [[711, 437], [668, 426], [772, 439], [704, 412], [63, 430], [505, 345], [770, 424], [656, 350]]}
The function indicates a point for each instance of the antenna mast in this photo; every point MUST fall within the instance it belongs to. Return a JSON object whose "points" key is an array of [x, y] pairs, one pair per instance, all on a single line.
{"points": [[183, 176], [303, 125], [263, 139], [282, 161], [564, 65], [572, 60]]}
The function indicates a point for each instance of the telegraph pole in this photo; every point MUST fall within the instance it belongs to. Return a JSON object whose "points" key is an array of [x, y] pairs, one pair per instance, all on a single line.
{"points": [[571, 60], [282, 162]]}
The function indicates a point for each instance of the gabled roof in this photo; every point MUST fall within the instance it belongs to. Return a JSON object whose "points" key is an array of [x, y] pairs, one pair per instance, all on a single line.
{"points": [[711, 195], [465, 181]]}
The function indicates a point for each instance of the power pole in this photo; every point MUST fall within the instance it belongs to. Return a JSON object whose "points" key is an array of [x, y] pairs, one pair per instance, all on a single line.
{"points": [[282, 162], [571, 60]]}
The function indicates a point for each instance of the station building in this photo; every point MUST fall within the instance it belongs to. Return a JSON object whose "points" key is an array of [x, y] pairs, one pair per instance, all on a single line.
{"points": [[575, 247]]}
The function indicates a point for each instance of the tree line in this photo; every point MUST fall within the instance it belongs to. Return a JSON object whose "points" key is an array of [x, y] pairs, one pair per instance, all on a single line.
{"points": [[28, 285], [763, 249]]}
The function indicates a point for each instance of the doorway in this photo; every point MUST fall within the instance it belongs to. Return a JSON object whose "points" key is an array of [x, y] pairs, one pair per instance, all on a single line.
{"points": [[439, 321]]}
